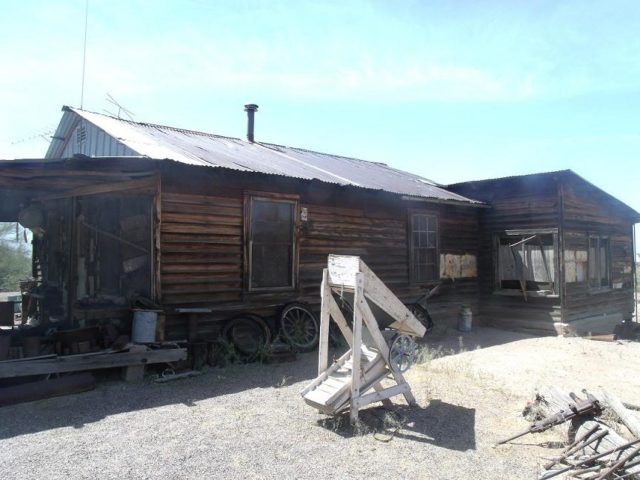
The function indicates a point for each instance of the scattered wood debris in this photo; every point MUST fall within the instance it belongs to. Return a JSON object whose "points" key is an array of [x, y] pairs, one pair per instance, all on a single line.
{"points": [[601, 443]]}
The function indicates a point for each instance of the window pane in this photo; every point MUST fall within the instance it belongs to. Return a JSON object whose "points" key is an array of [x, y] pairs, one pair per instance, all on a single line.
{"points": [[271, 266], [430, 256], [424, 254], [271, 239], [604, 261], [532, 259], [415, 239], [431, 239], [593, 264]]}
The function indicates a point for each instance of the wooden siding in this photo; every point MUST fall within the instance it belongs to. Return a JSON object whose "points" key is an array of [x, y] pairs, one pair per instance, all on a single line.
{"points": [[202, 245], [576, 208], [515, 204], [589, 212]]}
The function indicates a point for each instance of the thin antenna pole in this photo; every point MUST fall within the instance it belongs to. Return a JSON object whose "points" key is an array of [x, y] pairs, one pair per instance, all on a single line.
{"points": [[84, 53]]}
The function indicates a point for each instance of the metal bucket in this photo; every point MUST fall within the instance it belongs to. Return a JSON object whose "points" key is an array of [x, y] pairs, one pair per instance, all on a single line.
{"points": [[465, 319], [144, 326]]}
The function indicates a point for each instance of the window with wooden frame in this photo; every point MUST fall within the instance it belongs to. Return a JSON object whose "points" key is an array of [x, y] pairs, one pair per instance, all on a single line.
{"points": [[527, 262], [270, 242], [599, 262], [423, 246]]}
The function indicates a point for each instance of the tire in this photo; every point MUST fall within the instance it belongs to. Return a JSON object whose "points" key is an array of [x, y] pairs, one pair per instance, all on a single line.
{"points": [[299, 327], [249, 334], [422, 315]]}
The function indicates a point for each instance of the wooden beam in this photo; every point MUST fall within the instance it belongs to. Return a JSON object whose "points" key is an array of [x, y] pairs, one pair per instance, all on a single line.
{"points": [[338, 317], [325, 319], [382, 395], [382, 296], [78, 363], [382, 346], [148, 183], [630, 420], [357, 349]]}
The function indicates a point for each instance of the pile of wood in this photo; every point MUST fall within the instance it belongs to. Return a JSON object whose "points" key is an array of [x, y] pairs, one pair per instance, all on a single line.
{"points": [[132, 358], [598, 447]]}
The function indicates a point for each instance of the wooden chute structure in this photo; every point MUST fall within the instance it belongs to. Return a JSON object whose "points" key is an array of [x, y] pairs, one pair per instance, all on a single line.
{"points": [[341, 386]]}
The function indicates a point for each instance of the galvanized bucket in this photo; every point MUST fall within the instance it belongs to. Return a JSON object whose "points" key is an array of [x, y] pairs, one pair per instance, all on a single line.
{"points": [[144, 326], [465, 318]]}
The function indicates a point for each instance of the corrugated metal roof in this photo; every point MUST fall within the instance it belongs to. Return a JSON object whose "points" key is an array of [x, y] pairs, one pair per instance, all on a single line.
{"points": [[524, 176], [204, 149], [538, 177]]}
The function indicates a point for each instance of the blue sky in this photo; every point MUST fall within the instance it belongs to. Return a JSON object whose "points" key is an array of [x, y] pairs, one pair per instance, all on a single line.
{"points": [[453, 90]]}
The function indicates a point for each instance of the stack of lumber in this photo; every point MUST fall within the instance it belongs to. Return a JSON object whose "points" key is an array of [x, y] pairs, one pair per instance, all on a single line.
{"points": [[130, 356]]}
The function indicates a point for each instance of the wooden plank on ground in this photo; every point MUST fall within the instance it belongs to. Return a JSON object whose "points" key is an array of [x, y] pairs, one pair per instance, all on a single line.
{"points": [[90, 362]]}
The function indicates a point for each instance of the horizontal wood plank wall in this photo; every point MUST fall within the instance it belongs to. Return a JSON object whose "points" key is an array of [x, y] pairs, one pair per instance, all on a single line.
{"points": [[587, 211], [202, 245], [515, 204]]}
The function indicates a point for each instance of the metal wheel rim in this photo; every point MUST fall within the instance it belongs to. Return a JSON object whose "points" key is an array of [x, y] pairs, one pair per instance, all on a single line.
{"points": [[247, 335], [402, 354], [299, 326]]}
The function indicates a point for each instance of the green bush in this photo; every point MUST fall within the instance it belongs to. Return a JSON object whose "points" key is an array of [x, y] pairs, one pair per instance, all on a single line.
{"points": [[15, 259]]}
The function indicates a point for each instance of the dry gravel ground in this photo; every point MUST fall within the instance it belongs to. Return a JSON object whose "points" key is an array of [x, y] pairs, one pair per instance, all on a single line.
{"points": [[248, 421]]}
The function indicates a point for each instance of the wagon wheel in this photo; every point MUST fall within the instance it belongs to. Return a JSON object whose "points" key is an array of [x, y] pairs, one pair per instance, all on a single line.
{"points": [[422, 315], [249, 334], [402, 353], [299, 326]]}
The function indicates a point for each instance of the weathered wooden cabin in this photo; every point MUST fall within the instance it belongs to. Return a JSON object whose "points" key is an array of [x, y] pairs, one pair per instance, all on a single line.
{"points": [[213, 229], [556, 254]]}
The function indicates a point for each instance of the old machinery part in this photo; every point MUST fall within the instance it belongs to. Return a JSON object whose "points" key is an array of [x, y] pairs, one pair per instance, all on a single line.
{"points": [[402, 353], [299, 326], [422, 315], [248, 333]]}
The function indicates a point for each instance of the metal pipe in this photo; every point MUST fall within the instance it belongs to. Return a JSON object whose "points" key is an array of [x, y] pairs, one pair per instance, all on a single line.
{"points": [[251, 109], [634, 272]]}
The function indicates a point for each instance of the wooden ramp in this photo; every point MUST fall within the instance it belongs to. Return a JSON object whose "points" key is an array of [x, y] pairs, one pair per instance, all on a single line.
{"points": [[337, 388]]}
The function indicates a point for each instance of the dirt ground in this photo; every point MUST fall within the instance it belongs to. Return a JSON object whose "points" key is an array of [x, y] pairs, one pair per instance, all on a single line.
{"points": [[248, 421]]}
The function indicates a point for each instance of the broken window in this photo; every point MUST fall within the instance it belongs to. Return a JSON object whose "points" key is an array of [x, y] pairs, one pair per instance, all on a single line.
{"points": [[271, 243], [424, 247], [527, 261], [113, 247], [599, 262]]}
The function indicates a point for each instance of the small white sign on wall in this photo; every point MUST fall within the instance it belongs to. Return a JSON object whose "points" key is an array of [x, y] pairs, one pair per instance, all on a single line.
{"points": [[304, 214]]}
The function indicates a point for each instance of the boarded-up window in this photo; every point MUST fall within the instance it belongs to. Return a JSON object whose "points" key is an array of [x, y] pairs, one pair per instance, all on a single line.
{"points": [[527, 262], [271, 243], [424, 247], [599, 262]]}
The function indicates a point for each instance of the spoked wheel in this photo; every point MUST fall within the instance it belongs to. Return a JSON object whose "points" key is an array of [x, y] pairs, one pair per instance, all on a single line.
{"points": [[249, 334], [421, 315], [402, 353], [299, 326]]}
